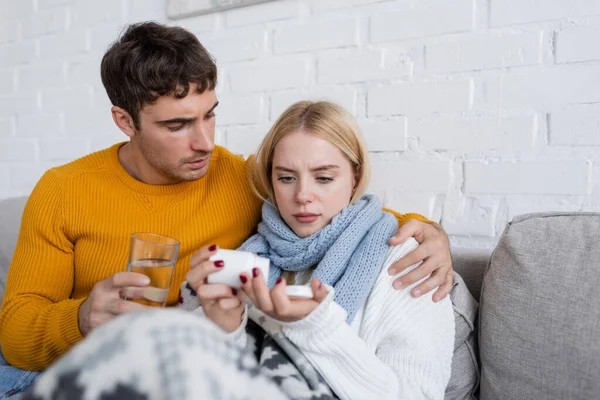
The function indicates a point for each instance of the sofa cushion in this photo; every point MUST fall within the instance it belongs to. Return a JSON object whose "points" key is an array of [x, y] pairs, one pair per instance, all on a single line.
{"points": [[540, 311], [10, 222], [471, 264], [464, 379]]}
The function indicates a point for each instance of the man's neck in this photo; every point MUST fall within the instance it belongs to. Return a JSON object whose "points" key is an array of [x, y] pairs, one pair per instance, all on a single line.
{"points": [[126, 160], [137, 167]]}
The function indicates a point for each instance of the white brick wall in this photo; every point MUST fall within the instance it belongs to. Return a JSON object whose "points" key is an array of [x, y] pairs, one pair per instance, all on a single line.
{"points": [[475, 134], [532, 177], [242, 44], [344, 96], [510, 12], [423, 19], [484, 51], [421, 98], [315, 36], [474, 110], [267, 75], [356, 66], [384, 136], [577, 125], [574, 44]]}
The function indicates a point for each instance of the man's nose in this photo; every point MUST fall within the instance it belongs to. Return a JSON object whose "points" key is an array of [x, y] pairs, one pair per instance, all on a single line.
{"points": [[201, 140]]}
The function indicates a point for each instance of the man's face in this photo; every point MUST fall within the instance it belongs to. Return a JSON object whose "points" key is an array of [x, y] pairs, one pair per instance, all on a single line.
{"points": [[176, 137]]}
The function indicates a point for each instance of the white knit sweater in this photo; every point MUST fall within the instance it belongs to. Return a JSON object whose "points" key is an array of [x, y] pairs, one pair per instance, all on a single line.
{"points": [[398, 347]]}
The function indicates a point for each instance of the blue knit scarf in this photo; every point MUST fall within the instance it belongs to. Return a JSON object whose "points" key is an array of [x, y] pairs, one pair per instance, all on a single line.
{"points": [[350, 251]]}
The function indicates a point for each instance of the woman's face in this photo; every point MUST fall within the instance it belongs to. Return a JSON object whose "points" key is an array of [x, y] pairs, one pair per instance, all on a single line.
{"points": [[312, 181]]}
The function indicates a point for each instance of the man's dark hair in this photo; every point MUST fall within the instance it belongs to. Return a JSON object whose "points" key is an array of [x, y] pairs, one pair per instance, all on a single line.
{"points": [[151, 60]]}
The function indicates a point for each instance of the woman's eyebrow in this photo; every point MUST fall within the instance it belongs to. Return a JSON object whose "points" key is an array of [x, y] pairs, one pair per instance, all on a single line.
{"points": [[316, 169], [283, 169], [325, 167]]}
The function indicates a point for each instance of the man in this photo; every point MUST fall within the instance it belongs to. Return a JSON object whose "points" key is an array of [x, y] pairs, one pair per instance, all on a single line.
{"points": [[67, 275]]}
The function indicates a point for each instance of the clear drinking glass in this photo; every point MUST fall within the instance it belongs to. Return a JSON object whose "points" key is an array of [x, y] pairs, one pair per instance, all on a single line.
{"points": [[155, 256]]}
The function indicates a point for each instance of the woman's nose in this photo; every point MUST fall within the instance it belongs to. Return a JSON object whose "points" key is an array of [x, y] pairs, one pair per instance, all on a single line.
{"points": [[304, 195]]}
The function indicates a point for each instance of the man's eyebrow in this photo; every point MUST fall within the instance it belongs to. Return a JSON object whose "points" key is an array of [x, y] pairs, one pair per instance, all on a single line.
{"points": [[183, 120], [212, 108], [178, 120]]}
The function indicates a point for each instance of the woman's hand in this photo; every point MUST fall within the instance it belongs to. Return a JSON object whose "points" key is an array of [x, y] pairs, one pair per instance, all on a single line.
{"points": [[434, 251], [275, 303], [221, 304]]}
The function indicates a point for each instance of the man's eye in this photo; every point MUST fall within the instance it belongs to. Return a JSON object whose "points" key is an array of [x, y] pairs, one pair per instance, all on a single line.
{"points": [[176, 127], [210, 115]]}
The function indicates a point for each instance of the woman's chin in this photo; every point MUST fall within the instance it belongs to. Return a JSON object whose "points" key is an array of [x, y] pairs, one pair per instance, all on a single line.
{"points": [[306, 231]]}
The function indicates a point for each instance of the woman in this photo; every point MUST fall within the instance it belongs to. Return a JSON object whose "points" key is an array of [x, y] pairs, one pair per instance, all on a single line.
{"points": [[364, 338], [357, 338]]}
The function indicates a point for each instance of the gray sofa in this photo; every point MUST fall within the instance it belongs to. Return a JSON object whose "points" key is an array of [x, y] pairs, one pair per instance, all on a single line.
{"points": [[10, 220], [539, 316]]}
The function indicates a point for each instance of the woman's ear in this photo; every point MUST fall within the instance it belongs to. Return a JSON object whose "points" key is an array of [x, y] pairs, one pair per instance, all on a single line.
{"points": [[123, 121]]}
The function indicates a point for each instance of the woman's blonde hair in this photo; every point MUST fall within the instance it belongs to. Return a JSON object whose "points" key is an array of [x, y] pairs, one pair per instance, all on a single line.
{"points": [[322, 119]]}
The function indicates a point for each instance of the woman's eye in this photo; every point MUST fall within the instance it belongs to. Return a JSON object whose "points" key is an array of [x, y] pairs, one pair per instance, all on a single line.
{"points": [[324, 179], [209, 116], [285, 179]]}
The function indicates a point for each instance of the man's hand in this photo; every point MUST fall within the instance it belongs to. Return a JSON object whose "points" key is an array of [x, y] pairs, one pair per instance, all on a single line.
{"points": [[105, 302], [434, 251], [221, 304]]}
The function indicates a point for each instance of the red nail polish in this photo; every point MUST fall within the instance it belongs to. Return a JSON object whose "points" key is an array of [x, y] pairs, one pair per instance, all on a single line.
{"points": [[279, 280], [212, 247], [234, 291], [255, 272], [219, 263], [243, 278]]}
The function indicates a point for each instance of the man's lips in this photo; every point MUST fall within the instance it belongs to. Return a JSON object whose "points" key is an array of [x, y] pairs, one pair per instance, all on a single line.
{"points": [[306, 218], [197, 164]]}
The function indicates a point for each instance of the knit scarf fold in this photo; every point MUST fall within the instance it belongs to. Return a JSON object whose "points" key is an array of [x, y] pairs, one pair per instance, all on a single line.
{"points": [[349, 252]]}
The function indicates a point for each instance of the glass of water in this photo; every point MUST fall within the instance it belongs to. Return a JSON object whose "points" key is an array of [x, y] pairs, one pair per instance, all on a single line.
{"points": [[155, 256]]}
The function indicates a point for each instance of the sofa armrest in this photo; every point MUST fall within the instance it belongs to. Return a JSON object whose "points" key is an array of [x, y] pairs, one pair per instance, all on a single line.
{"points": [[11, 211]]}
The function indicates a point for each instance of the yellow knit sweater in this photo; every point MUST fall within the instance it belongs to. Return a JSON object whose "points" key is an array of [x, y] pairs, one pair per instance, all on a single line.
{"points": [[76, 230]]}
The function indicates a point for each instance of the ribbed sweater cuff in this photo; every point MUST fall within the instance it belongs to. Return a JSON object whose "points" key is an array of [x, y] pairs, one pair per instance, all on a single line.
{"points": [[67, 323]]}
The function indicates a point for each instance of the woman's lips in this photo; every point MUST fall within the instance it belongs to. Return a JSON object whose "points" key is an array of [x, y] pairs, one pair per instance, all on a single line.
{"points": [[306, 218]]}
